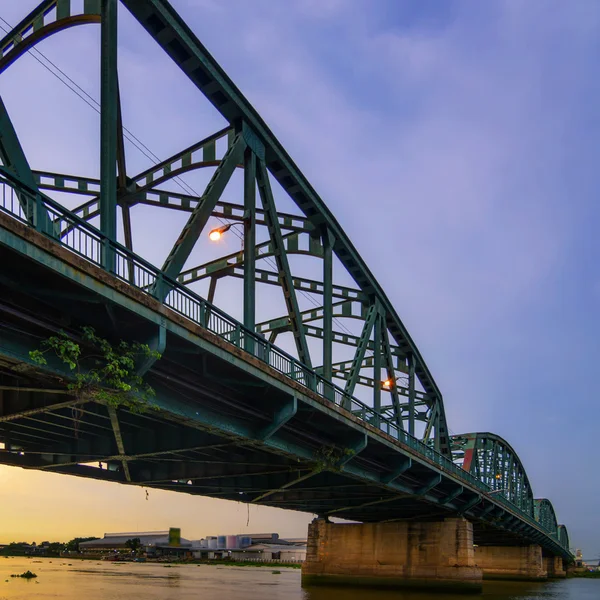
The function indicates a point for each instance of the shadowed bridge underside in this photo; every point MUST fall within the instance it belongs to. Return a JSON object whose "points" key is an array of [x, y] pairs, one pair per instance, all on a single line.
{"points": [[225, 425]]}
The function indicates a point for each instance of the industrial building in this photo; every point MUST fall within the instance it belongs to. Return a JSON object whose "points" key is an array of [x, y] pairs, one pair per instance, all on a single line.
{"points": [[152, 543], [157, 544], [253, 546]]}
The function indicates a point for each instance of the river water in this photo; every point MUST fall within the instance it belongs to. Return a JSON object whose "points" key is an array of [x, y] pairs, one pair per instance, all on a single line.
{"points": [[92, 580]]}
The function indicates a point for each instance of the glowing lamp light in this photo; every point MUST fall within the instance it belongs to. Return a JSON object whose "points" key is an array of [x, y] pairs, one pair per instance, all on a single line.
{"points": [[498, 476], [387, 384], [216, 234]]}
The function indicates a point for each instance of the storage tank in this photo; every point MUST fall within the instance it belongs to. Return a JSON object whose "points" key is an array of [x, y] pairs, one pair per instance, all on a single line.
{"points": [[221, 541], [212, 543], [232, 542], [244, 541]]}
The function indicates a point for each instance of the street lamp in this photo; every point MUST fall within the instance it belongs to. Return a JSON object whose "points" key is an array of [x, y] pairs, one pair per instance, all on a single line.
{"points": [[387, 384], [216, 234]]}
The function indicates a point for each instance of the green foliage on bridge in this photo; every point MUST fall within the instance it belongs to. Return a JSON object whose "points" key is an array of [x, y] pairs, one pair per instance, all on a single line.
{"points": [[104, 372]]}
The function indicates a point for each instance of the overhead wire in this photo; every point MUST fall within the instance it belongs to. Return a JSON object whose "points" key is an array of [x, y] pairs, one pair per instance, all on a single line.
{"points": [[140, 146]]}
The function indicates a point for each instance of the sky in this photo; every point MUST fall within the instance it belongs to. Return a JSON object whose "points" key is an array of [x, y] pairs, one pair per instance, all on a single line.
{"points": [[453, 141]]}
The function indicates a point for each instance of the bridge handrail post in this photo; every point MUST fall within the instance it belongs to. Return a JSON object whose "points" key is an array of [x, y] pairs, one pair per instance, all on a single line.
{"points": [[38, 208], [202, 313], [249, 343], [293, 370], [108, 255]]}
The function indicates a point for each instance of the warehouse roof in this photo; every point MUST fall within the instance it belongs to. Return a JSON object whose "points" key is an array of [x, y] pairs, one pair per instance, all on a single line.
{"points": [[116, 540]]}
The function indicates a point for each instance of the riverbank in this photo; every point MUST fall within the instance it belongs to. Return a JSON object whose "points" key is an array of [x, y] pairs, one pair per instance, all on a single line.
{"points": [[163, 561]]}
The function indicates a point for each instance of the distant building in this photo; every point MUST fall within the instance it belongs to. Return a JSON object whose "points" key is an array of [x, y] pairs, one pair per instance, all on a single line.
{"points": [[250, 546], [153, 543]]}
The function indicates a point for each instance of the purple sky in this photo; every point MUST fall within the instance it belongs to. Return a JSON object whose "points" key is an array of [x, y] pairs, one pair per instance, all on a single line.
{"points": [[453, 141]]}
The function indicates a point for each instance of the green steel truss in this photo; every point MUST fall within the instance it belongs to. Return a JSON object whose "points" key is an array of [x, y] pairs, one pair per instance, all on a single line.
{"points": [[563, 536], [544, 514], [494, 462], [383, 360], [384, 352]]}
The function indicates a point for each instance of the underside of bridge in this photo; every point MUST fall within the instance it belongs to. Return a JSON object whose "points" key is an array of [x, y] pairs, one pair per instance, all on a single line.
{"points": [[232, 415], [224, 426]]}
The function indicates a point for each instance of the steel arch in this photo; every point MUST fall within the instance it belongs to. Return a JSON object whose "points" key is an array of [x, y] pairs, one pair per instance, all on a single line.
{"points": [[493, 461], [563, 536], [38, 25], [545, 515]]}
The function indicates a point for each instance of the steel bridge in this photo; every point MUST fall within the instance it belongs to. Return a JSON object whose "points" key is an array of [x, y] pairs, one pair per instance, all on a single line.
{"points": [[235, 416]]}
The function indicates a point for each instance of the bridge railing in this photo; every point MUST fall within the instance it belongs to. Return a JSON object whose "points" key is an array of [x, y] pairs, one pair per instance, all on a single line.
{"points": [[75, 234]]}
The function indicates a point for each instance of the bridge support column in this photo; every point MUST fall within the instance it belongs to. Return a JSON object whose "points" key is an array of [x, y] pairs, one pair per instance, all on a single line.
{"points": [[522, 563], [555, 567], [426, 555]]}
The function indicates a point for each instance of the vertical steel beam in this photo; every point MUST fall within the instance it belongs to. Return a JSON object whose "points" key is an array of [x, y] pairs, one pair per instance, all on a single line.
{"points": [[377, 364], [436, 424], [494, 471], [127, 226], [108, 127], [285, 276], [122, 185], [212, 288], [121, 164], [249, 241], [510, 478], [328, 242], [411, 394], [391, 373], [125, 210]]}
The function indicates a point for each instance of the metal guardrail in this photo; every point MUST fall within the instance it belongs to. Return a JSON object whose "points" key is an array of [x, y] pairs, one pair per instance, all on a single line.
{"points": [[86, 241]]}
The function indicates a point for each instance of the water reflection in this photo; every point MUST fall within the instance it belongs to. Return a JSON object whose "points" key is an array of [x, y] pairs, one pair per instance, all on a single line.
{"points": [[94, 580], [573, 589]]}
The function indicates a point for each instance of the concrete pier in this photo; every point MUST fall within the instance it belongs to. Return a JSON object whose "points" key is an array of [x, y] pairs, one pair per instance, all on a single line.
{"points": [[555, 567], [405, 554], [517, 563]]}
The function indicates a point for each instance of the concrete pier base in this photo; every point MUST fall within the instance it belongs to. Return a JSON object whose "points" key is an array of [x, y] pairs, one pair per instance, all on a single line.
{"points": [[517, 563], [555, 567], [419, 555]]}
